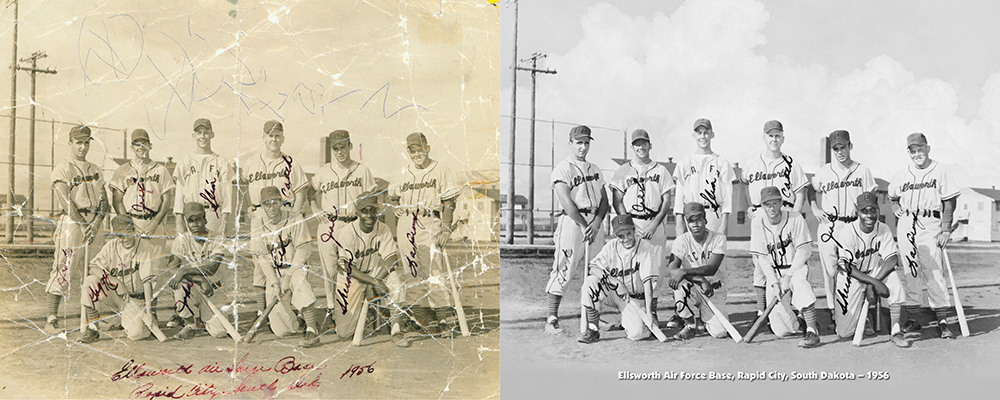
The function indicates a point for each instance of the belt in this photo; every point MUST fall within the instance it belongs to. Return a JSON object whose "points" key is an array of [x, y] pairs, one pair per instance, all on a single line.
{"points": [[844, 219], [583, 211], [282, 266], [643, 217], [85, 210], [637, 296], [137, 296], [924, 213], [430, 213], [142, 216], [783, 266]]}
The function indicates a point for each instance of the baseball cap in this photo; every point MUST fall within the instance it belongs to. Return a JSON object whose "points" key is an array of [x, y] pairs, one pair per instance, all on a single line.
{"points": [[80, 132], [916, 138], [580, 132], [367, 199], [693, 208], [269, 193], [273, 125], [772, 125], [121, 223], [200, 122], [769, 193], [191, 209], [702, 122], [416, 138], [839, 137], [338, 135], [867, 199], [640, 134], [140, 134], [621, 222]]}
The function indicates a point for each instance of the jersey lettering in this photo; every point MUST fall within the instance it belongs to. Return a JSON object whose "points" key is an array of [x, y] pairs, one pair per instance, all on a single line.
{"points": [[932, 184], [416, 186], [839, 185]]}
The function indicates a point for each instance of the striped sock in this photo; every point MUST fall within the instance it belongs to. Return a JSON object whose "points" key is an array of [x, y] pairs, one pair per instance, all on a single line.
{"points": [[54, 300], [593, 318], [554, 300], [261, 300], [894, 311], [443, 313], [761, 298], [941, 313], [652, 305], [912, 312], [92, 315], [809, 314], [309, 314]]}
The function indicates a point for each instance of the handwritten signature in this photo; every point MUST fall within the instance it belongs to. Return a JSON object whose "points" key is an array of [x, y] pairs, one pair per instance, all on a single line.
{"points": [[209, 196], [68, 256], [104, 284], [278, 251], [141, 206], [412, 237], [287, 173], [284, 366], [911, 236], [182, 304], [709, 196]]}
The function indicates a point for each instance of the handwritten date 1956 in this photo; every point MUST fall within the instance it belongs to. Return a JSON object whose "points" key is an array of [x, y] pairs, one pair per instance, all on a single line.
{"points": [[356, 370]]}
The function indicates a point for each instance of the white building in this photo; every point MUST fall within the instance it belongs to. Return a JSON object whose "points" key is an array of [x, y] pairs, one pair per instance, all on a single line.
{"points": [[982, 209]]}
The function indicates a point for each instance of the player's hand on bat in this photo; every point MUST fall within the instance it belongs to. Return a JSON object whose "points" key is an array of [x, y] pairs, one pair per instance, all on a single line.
{"points": [[898, 212], [645, 235], [784, 283], [942, 238], [442, 238], [590, 232], [707, 289], [880, 289], [207, 289]]}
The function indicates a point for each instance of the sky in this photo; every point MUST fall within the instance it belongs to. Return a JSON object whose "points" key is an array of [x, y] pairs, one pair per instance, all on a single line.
{"points": [[880, 70]]}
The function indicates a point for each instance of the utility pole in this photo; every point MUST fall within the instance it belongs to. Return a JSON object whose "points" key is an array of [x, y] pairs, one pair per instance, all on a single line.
{"points": [[31, 138], [531, 142], [13, 119], [513, 143]]}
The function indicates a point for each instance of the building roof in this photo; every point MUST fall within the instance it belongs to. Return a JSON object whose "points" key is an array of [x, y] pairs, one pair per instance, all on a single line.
{"points": [[991, 193]]}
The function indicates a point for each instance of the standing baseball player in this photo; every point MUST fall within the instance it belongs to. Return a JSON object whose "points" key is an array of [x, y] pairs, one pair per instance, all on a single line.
{"points": [[196, 257], [625, 267], [707, 178], [281, 248], [79, 189], [338, 184], [639, 189], [142, 189], [923, 197], [580, 189], [425, 194], [780, 245], [368, 259], [777, 169], [696, 255], [204, 178], [122, 273], [868, 257], [836, 186], [271, 167]]}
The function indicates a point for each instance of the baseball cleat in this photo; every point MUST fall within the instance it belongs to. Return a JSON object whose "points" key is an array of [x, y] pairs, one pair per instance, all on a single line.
{"points": [[832, 327], [811, 340], [675, 322], [687, 333], [186, 333], [311, 339], [869, 330], [109, 326], [898, 340], [590, 336], [911, 330], [175, 321], [90, 336], [52, 326], [944, 331], [615, 327], [552, 326]]}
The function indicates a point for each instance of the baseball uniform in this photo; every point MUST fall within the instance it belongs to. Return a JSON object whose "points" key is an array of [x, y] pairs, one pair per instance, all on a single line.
{"points": [[695, 255], [622, 272], [86, 184], [143, 186], [283, 247], [366, 252], [585, 185], [920, 193], [778, 243], [194, 251], [205, 179], [866, 251], [705, 179], [117, 274], [259, 171], [643, 187], [784, 173]]}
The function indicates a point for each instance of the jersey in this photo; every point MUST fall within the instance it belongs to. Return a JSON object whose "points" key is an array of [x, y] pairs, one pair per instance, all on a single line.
{"points": [[781, 241], [424, 188], [279, 242], [284, 173], [193, 253], [205, 179], [131, 267], [698, 254], [838, 189], [705, 179], [584, 180], [365, 251], [339, 188], [143, 186], [84, 179], [643, 187], [866, 250], [923, 189], [634, 267], [784, 172]]}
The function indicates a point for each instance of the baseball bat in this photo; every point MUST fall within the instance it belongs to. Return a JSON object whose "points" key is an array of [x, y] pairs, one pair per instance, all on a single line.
{"points": [[763, 317], [252, 333], [222, 317], [878, 314], [623, 305], [86, 271], [962, 321], [359, 331], [462, 323], [153, 327], [859, 330], [586, 273], [733, 333]]}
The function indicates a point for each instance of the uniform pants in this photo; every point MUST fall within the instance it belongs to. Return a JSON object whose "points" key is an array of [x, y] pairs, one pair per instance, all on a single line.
{"points": [[922, 261], [851, 295], [422, 278], [346, 313], [69, 252], [782, 319], [569, 253], [98, 290], [282, 318], [659, 242], [188, 303], [594, 291], [687, 301]]}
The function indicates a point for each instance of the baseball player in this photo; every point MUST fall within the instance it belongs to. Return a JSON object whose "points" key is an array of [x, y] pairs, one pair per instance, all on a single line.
{"points": [[271, 167], [204, 178], [142, 189], [579, 186], [281, 248], [425, 195], [367, 259], [696, 255], [868, 256], [639, 189], [923, 197], [122, 273], [625, 267], [780, 245], [196, 257], [338, 184], [707, 178], [772, 168], [79, 188]]}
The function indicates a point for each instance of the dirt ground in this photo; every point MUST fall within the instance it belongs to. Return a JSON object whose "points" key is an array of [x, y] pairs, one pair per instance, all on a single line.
{"points": [[35, 365], [559, 367]]}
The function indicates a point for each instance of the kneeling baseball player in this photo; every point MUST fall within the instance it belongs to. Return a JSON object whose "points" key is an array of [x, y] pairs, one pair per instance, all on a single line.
{"points": [[868, 255], [121, 273], [624, 268], [197, 256], [781, 245], [703, 251]]}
